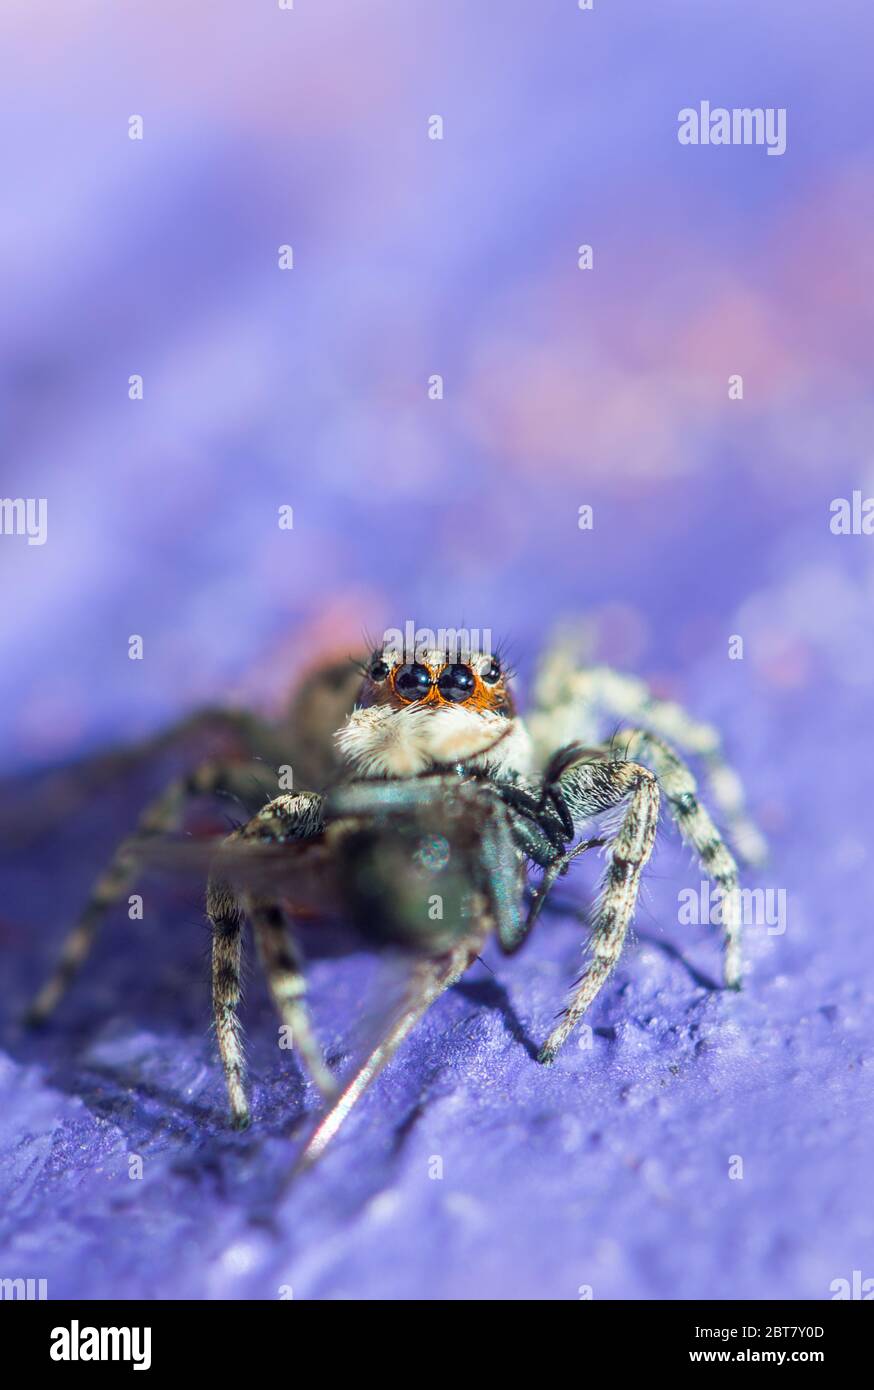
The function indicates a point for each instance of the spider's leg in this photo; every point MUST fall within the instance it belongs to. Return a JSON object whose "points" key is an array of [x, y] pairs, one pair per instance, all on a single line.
{"points": [[551, 874], [118, 878], [698, 830], [568, 697], [212, 735], [533, 843], [548, 819], [727, 791], [286, 819], [226, 917], [631, 699], [283, 967], [430, 979], [591, 788]]}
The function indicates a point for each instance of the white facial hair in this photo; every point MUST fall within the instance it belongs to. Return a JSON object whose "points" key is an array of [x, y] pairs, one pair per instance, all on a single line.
{"points": [[384, 742]]}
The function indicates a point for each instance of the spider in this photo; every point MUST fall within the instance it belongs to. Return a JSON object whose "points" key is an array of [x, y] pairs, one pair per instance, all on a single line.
{"points": [[442, 798]]}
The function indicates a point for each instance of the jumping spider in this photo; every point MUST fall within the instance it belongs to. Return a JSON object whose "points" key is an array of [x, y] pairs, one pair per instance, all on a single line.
{"points": [[441, 786]]}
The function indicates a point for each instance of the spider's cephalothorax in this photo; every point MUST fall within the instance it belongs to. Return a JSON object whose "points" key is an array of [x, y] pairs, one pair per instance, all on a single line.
{"points": [[440, 796]]}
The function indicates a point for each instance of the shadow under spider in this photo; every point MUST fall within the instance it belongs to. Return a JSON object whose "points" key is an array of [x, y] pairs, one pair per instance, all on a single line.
{"points": [[129, 1096], [491, 994], [563, 907], [668, 949]]}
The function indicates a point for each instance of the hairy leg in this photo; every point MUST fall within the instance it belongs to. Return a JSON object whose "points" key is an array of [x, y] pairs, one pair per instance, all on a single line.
{"points": [[283, 968], [591, 788], [698, 830], [208, 735], [117, 879], [287, 819], [226, 917], [570, 698]]}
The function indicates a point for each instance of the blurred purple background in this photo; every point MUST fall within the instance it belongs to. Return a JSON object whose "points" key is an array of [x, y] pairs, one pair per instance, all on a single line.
{"points": [[308, 388]]}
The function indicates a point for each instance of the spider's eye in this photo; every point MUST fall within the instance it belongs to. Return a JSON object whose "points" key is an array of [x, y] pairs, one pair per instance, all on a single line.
{"points": [[492, 674], [456, 683], [378, 671], [413, 682]]}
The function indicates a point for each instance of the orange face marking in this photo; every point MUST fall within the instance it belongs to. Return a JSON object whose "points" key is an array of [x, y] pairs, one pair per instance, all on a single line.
{"points": [[401, 683], [494, 697]]}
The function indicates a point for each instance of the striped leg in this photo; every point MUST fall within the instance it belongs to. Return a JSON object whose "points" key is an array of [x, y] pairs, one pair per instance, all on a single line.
{"points": [[211, 735], [283, 968], [117, 880], [698, 830], [589, 789], [287, 819], [226, 918], [631, 699], [569, 697]]}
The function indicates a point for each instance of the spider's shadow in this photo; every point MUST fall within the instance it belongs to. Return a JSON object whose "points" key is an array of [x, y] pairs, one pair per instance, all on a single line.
{"points": [[563, 907], [489, 993], [668, 949]]}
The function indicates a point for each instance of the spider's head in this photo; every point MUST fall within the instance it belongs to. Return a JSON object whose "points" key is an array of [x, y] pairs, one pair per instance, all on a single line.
{"points": [[433, 708]]}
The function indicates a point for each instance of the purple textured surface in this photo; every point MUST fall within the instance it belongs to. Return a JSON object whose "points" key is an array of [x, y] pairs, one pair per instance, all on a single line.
{"points": [[611, 1171]]}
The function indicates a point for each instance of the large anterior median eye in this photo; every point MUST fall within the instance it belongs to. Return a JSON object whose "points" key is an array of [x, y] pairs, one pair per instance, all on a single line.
{"points": [[456, 683], [413, 682]]}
